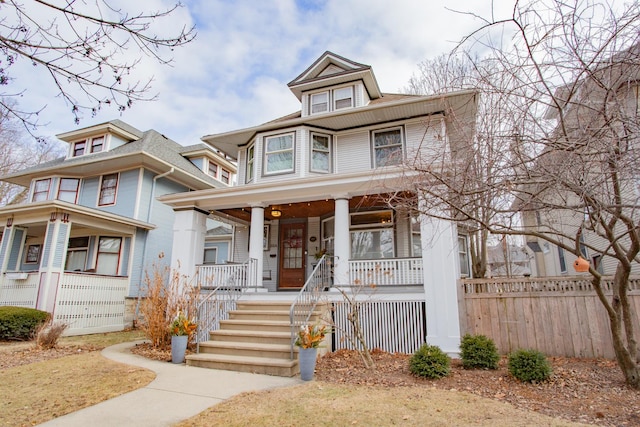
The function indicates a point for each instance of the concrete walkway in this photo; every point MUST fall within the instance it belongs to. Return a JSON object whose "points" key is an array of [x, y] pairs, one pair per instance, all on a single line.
{"points": [[177, 393]]}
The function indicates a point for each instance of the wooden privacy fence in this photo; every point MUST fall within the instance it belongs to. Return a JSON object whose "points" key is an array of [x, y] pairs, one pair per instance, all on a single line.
{"points": [[560, 316]]}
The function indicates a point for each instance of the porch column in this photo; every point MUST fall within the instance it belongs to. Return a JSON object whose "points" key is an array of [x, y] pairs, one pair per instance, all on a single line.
{"points": [[256, 244], [54, 250], [189, 229], [342, 243], [441, 273]]}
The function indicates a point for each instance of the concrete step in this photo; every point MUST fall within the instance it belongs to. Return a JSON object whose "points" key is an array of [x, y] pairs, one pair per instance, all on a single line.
{"points": [[256, 325], [281, 315], [275, 351], [266, 337], [264, 305], [258, 365]]}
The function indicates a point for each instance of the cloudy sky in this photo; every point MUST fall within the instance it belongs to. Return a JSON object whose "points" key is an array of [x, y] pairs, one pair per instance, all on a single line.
{"points": [[235, 73]]}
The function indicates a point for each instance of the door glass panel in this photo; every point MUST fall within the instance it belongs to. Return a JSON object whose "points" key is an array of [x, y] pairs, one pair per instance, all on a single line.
{"points": [[292, 248]]}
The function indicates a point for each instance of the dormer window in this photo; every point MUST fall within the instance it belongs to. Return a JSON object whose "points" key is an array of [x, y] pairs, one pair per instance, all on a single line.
{"points": [[213, 169], [343, 98], [90, 145], [319, 102], [336, 99]]}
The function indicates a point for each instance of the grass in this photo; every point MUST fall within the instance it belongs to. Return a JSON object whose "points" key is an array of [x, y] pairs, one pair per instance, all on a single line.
{"points": [[38, 392], [324, 404]]}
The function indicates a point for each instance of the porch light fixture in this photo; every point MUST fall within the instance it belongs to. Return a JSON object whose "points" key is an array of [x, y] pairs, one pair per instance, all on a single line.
{"points": [[276, 213], [9, 222]]}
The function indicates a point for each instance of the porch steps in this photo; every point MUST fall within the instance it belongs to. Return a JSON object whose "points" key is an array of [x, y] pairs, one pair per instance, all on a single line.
{"points": [[256, 338]]}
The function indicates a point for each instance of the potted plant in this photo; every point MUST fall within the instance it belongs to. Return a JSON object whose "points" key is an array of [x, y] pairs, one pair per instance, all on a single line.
{"points": [[309, 339], [180, 329]]}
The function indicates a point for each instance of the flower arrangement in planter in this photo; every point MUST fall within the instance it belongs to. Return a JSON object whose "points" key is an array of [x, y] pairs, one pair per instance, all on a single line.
{"points": [[181, 325], [311, 336]]}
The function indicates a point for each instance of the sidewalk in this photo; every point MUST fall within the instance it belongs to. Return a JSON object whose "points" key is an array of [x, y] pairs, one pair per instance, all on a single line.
{"points": [[177, 393]]}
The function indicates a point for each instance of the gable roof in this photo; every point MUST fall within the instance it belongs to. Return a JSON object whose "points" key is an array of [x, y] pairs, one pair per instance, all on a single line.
{"points": [[332, 69], [152, 150]]}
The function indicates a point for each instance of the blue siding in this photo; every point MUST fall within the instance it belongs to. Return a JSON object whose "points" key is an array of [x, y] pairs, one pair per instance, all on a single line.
{"points": [[222, 255], [3, 246], [126, 196], [126, 255], [138, 266], [89, 192], [145, 195]]}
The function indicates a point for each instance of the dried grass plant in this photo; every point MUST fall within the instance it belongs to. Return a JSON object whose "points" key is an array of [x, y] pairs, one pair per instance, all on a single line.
{"points": [[164, 293], [48, 334]]}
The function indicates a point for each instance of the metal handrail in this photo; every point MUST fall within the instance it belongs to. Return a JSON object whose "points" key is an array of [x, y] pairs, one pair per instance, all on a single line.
{"points": [[227, 293], [307, 299]]}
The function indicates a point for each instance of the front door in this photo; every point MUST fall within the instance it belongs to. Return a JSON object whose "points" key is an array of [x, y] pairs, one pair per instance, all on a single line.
{"points": [[292, 259]]}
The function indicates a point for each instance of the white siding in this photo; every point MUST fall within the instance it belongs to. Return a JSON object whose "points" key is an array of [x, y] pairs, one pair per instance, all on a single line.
{"points": [[353, 152]]}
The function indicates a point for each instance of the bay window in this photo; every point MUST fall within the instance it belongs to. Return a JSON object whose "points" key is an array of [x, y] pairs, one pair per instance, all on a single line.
{"points": [[251, 157], [279, 154], [41, 190], [387, 147], [320, 153]]}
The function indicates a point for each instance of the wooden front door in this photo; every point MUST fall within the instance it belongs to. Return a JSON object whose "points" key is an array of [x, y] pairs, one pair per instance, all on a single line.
{"points": [[292, 255]]}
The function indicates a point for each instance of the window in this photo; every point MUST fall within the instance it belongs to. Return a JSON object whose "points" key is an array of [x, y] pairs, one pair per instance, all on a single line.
{"points": [[77, 254], [563, 263], [328, 234], [319, 102], [97, 144], [597, 263], [320, 153], [33, 254], [224, 176], [463, 256], [108, 255], [416, 239], [41, 190], [343, 98], [251, 155], [108, 189], [387, 147], [68, 191], [210, 255], [78, 148], [279, 154], [372, 235], [213, 169]]}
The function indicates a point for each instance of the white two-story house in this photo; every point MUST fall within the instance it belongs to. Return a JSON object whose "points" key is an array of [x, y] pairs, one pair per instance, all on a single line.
{"points": [[91, 225], [320, 181]]}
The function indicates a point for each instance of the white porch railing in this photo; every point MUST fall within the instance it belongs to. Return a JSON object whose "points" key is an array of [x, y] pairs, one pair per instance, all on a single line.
{"points": [[91, 303], [227, 275], [19, 289], [386, 272]]}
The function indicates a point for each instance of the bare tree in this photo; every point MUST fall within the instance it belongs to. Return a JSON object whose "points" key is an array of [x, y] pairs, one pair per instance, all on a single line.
{"points": [[19, 151], [88, 49], [564, 167]]}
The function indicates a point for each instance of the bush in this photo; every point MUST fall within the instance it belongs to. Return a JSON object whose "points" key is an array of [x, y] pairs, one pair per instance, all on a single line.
{"points": [[478, 351], [529, 365], [49, 333], [20, 323], [430, 362]]}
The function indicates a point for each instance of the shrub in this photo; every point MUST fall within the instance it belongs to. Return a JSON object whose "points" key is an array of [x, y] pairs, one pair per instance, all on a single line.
{"points": [[49, 333], [20, 323], [430, 362], [478, 351], [529, 365]]}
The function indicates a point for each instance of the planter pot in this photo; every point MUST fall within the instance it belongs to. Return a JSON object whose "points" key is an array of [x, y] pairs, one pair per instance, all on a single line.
{"points": [[178, 347], [307, 361]]}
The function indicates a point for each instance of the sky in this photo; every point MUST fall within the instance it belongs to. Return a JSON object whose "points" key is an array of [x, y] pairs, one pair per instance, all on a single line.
{"points": [[235, 73]]}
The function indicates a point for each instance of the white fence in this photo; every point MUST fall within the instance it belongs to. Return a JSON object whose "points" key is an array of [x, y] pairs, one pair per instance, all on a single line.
{"points": [[91, 303], [19, 289], [383, 272], [393, 326], [227, 275]]}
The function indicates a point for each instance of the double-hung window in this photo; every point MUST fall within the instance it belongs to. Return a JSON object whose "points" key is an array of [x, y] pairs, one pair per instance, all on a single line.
{"points": [[319, 102], [213, 169], [463, 256], [320, 153], [279, 154], [91, 145], [77, 254], [78, 148], [343, 98], [108, 255], [97, 144], [108, 189], [68, 191], [251, 160], [225, 175], [41, 190], [387, 147]]}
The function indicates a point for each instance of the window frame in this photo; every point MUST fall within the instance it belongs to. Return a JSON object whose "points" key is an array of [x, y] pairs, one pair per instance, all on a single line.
{"points": [[464, 255], [336, 99], [267, 153], [212, 169], [71, 248], [102, 189], [250, 173], [38, 192], [93, 145], [76, 192], [313, 150], [399, 146], [327, 103], [89, 146], [213, 249], [225, 176], [77, 152], [99, 252], [562, 260]]}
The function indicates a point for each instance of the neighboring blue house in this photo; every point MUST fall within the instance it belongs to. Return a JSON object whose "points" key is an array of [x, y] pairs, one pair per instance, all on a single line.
{"points": [[91, 225]]}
